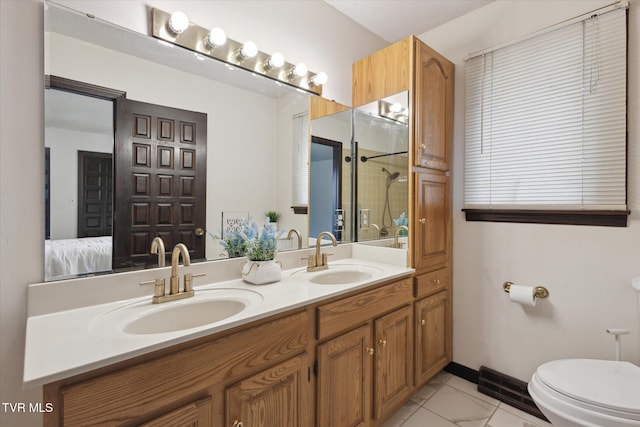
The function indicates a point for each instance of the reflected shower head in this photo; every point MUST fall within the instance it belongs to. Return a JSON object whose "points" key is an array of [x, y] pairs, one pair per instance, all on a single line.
{"points": [[391, 176]]}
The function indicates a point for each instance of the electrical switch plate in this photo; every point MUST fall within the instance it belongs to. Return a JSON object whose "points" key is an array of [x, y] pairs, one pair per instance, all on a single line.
{"points": [[364, 218]]}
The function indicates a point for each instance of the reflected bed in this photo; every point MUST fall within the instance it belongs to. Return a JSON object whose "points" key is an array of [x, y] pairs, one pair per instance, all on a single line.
{"points": [[73, 257]]}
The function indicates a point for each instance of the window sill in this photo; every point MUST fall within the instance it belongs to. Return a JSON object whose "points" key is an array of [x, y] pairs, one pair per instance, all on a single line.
{"points": [[597, 218], [300, 210]]}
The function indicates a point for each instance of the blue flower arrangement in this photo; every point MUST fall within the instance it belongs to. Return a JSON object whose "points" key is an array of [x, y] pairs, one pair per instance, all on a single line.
{"points": [[250, 241], [235, 244], [402, 220]]}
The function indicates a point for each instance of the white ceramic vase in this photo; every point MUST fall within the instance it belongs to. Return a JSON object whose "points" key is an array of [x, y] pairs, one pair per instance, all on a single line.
{"points": [[261, 272]]}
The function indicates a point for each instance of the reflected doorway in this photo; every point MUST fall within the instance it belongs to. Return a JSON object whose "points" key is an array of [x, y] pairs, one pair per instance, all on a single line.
{"points": [[325, 197]]}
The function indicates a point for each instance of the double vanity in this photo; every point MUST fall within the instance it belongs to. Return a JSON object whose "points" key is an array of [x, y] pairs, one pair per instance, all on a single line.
{"points": [[329, 347], [346, 345]]}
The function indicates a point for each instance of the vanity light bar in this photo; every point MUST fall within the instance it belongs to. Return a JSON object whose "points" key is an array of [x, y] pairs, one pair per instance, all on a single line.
{"points": [[231, 52], [393, 111]]}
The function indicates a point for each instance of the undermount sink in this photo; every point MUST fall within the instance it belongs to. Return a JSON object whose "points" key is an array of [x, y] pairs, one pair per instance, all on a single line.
{"points": [[341, 274], [206, 307]]}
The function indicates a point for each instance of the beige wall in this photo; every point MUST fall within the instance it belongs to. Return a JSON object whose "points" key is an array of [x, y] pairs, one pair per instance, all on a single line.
{"points": [[586, 269], [270, 23], [21, 177]]}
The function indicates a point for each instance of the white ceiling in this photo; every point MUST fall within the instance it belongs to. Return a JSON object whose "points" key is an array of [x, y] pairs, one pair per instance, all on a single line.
{"points": [[393, 20]]}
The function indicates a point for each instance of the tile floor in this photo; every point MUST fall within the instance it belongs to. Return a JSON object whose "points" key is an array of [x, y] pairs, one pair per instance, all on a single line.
{"points": [[450, 401]]}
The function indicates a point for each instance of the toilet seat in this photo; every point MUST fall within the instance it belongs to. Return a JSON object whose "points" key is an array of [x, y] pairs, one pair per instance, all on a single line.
{"points": [[603, 386]]}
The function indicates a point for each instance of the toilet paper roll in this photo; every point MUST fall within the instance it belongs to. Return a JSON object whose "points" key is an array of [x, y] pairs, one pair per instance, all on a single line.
{"points": [[525, 295]]}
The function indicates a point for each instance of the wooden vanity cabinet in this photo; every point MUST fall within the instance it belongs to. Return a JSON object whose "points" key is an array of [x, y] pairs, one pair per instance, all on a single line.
{"points": [[373, 351]]}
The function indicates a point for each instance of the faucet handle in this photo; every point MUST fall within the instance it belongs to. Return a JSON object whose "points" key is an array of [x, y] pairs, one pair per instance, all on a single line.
{"points": [[324, 258], [188, 280], [159, 286], [311, 260]]}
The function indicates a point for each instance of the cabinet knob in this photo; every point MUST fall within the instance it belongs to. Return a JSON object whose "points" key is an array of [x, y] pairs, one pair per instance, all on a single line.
{"points": [[422, 322], [237, 423], [423, 146], [370, 350], [383, 343], [436, 281], [199, 232], [423, 220]]}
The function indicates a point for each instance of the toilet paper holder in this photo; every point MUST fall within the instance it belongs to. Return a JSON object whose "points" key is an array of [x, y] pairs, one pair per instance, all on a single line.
{"points": [[541, 291]]}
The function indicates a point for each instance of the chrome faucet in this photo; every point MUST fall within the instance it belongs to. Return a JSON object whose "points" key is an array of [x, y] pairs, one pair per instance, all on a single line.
{"points": [[376, 227], [157, 247], [319, 261], [297, 233], [397, 233]]}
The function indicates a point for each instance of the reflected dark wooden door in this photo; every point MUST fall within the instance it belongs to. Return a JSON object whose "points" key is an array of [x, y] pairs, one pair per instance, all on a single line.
{"points": [[95, 194], [160, 172]]}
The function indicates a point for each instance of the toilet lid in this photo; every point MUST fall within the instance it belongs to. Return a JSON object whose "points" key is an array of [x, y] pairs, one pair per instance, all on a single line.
{"points": [[604, 383]]}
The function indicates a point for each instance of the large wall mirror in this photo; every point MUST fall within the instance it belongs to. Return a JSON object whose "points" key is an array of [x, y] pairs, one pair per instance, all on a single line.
{"points": [[248, 160]]}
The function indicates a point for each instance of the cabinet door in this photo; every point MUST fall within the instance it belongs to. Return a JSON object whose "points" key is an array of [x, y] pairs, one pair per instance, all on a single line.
{"points": [[196, 414], [393, 374], [432, 238], [276, 397], [434, 108], [344, 379], [432, 336]]}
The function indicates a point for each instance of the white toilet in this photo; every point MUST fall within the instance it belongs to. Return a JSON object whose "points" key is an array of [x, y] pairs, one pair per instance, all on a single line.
{"points": [[588, 392]]}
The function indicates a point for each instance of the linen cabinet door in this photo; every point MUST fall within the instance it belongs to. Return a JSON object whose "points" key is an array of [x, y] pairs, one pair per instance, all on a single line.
{"points": [[432, 336], [344, 380], [393, 373], [432, 238], [433, 108], [276, 397]]}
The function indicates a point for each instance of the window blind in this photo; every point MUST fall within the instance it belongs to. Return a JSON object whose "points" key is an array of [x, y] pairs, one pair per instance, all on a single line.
{"points": [[546, 120], [300, 195]]}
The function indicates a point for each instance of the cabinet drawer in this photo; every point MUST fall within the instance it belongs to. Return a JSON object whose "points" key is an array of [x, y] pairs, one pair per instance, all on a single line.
{"points": [[352, 311], [432, 282]]}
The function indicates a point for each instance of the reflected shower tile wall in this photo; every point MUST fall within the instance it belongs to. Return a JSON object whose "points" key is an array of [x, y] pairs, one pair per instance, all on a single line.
{"points": [[372, 183]]}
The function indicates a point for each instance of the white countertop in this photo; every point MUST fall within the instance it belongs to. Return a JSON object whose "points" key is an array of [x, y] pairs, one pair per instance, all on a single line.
{"points": [[62, 344]]}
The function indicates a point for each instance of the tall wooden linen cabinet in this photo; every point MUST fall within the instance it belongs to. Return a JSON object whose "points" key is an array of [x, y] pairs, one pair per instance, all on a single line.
{"points": [[410, 65]]}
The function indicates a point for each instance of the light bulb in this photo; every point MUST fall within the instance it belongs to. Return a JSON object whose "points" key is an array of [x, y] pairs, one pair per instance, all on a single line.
{"points": [[300, 70], [178, 22], [248, 50], [319, 79], [396, 107], [275, 61], [215, 38]]}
